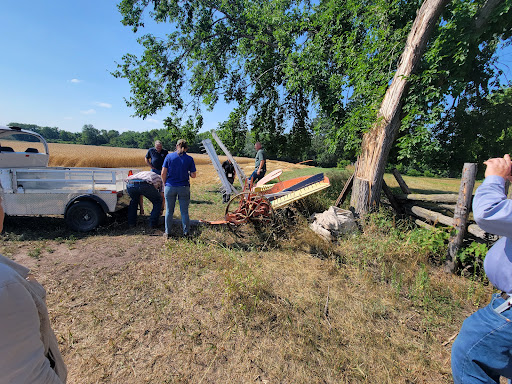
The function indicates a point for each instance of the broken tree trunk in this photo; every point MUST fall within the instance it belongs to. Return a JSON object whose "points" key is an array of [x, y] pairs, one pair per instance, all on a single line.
{"points": [[461, 213], [378, 140]]}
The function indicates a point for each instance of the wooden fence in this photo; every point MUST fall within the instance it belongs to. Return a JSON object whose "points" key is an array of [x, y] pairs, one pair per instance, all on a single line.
{"points": [[452, 210]]}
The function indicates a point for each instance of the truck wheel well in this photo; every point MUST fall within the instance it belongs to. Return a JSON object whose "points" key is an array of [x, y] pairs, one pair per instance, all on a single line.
{"points": [[91, 198]]}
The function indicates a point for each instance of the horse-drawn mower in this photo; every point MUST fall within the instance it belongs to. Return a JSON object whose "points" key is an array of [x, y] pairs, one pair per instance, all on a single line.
{"points": [[257, 203]]}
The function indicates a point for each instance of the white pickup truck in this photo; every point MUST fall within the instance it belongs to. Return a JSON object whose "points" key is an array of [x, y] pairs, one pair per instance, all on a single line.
{"points": [[30, 188]]}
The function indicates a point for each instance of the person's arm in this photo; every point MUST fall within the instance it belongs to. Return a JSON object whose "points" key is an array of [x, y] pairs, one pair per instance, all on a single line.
{"points": [[262, 163], [164, 175], [147, 159], [491, 208], [192, 170]]}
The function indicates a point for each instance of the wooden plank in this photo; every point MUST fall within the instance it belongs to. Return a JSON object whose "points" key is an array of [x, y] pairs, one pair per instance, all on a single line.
{"points": [[403, 186], [434, 217], [346, 188], [460, 216], [421, 223], [475, 230], [434, 198], [396, 206]]}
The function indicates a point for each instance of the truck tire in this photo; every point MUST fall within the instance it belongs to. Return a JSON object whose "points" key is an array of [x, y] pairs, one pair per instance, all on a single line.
{"points": [[84, 216]]}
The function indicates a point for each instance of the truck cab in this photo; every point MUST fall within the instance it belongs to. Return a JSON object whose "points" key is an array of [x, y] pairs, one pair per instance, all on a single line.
{"points": [[21, 149]]}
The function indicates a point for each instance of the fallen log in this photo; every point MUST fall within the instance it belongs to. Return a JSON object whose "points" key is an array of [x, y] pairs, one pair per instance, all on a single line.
{"points": [[450, 207], [435, 198], [434, 217], [344, 192], [403, 186], [421, 223], [476, 231], [396, 206]]}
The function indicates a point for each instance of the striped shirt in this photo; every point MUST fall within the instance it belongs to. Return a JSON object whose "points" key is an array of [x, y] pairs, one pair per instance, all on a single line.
{"points": [[149, 177]]}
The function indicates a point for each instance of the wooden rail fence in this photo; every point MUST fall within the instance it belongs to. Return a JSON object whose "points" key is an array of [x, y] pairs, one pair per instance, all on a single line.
{"points": [[452, 210]]}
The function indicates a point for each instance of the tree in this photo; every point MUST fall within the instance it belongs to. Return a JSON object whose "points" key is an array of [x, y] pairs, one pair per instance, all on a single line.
{"points": [[233, 132], [378, 141], [90, 135], [335, 58]]}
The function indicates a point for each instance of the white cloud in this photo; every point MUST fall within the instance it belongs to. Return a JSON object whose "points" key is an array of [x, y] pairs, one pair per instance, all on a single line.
{"points": [[153, 121], [102, 105], [76, 81], [88, 112]]}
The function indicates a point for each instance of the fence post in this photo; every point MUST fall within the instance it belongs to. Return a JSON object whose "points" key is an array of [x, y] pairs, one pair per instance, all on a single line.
{"points": [[461, 213], [403, 186]]}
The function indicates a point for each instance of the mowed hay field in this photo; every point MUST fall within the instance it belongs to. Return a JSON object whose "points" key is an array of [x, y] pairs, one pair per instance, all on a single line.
{"points": [[70, 155]]}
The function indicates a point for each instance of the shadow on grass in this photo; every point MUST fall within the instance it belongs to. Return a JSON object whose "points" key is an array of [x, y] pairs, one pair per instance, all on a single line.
{"points": [[51, 228], [201, 202]]}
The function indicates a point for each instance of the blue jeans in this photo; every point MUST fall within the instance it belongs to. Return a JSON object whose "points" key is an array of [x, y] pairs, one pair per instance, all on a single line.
{"points": [[183, 195], [135, 190], [255, 177], [157, 171], [482, 351]]}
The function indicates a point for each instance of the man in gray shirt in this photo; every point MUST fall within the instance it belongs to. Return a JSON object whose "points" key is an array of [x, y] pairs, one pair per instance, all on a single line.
{"points": [[260, 164]]}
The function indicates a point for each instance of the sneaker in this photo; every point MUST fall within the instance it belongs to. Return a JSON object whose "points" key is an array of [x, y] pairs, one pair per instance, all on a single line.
{"points": [[165, 236]]}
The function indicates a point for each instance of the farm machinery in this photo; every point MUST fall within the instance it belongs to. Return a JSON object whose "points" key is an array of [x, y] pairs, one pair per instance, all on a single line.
{"points": [[258, 203]]}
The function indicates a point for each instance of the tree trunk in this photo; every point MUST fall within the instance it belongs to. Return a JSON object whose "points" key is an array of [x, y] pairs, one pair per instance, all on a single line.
{"points": [[378, 141]]}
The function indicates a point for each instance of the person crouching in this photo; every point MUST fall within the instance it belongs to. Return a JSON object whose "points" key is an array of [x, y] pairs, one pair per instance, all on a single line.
{"points": [[147, 184]]}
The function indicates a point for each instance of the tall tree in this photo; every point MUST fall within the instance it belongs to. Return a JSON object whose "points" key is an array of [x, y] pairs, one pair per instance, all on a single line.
{"points": [[378, 140]]}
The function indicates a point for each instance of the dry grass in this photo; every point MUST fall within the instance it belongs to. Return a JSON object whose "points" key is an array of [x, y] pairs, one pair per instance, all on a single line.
{"points": [[129, 308]]}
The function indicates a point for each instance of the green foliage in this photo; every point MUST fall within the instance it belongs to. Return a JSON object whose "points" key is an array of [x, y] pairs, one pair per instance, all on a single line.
{"points": [[475, 251], [279, 62], [233, 132], [434, 243]]}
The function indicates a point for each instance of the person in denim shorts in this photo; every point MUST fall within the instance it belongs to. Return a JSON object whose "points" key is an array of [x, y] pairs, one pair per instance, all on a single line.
{"points": [[482, 351]]}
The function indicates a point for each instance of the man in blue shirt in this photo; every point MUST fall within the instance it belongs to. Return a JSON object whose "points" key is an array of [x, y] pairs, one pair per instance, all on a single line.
{"points": [[482, 351], [178, 167], [155, 157]]}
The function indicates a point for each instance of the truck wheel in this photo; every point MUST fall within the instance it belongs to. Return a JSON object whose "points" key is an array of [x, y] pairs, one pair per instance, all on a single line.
{"points": [[84, 216]]}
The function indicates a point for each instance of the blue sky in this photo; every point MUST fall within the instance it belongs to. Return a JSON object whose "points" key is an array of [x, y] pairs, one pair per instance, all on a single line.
{"points": [[55, 62]]}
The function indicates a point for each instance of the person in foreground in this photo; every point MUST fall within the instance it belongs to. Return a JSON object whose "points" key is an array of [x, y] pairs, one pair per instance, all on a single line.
{"points": [[482, 351], [29, 352], [260, 164], [148, 184], [176, 172]]}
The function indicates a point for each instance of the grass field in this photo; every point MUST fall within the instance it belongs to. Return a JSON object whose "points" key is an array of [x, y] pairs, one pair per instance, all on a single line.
{"points": [[276, 306]]}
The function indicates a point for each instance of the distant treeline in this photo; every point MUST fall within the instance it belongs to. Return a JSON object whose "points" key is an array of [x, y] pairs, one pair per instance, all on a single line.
{"points": [[314, 149]]}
